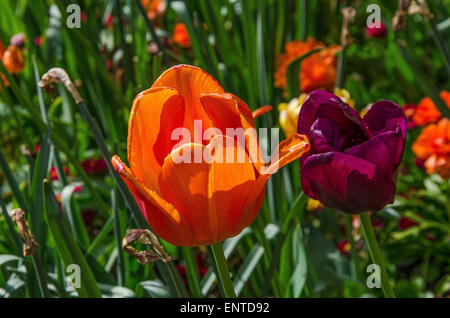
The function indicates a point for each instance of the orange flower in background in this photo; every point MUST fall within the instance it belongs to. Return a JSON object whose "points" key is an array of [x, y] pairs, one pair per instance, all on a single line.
{"points": [[198, 202], [433, 146], [181, 36], [13, 59], [3, 81], [154, 8], [427, 113], [318, 71]]}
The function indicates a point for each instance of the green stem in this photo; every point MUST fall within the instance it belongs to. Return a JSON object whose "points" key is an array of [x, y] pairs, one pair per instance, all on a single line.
{"points": [[441, 44], [340, 69], [192, 273], [222, 269], [375, 252]]}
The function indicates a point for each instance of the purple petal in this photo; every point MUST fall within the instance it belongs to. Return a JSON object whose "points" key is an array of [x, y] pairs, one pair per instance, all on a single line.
{"points": [[308, 110], [323, 105], [385, 150], [347, 183], [326, 136], [384, 114]]}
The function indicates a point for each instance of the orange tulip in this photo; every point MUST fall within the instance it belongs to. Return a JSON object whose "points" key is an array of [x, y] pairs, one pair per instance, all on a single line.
{"points": [[13, 59], [181, 35], [196, 203]]}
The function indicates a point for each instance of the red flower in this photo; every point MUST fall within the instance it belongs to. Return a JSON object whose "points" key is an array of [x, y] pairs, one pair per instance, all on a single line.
{"points": [[344, 247], [405, 223], [94, 165]]}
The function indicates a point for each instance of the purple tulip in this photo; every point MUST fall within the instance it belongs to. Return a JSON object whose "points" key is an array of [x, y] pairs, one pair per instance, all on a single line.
{"points": [[352, 163]]}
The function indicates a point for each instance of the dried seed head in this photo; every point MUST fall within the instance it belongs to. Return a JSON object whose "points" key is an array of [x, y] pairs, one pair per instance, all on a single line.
{"points": [[29, 242], [348, 14], [148, 238], [59, 75]]}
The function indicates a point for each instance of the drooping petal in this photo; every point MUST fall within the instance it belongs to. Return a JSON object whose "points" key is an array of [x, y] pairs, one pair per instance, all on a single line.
{"points": [[210, 195], [347, 183], [384, 114], [162, 217], [261, 111]]}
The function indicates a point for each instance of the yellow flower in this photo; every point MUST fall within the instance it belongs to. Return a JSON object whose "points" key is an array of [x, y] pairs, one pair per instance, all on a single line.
{"points": [[288, 117], [345, 96], [313, 205]]}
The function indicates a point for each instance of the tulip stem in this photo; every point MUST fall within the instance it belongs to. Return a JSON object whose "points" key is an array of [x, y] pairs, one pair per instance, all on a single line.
{"points": [[375, 252], [222, 270]]}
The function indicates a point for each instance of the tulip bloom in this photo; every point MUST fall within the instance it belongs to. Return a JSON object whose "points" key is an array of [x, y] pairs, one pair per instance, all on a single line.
{"points": [[196, 203], [288, 117], [352, 162]]}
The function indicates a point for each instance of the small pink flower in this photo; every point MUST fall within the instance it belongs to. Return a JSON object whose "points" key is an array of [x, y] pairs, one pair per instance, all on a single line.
{"points": [[83, 16], [38, 41], [375, 31]]}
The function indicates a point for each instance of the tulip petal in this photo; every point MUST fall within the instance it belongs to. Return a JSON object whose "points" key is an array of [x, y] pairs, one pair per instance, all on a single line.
{"points": [[321, 104], [348, 183], [148, 144], [163, 218], [288, 150], [384, 114], [191, 82], [326, 136], [210, 195], [261, 111], [228, 111], [385, 150]]}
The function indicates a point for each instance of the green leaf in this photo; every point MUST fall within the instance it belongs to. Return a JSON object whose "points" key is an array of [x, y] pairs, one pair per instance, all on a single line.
{"points": [[66, 245], [228, 247], [73, 216], [247, 268], [156, 289], [293, 74], [298, 278]]}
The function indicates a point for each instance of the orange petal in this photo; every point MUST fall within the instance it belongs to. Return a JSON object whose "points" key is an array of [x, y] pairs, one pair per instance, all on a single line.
{"points": [[228, 111], [191, 82], [261, 111], [154, 115], [163, 218], [210, 195], [290, 149]]}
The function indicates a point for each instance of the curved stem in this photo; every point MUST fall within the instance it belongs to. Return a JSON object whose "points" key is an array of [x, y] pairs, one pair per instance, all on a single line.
{"points": [[375, 252], [222, 270]]}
